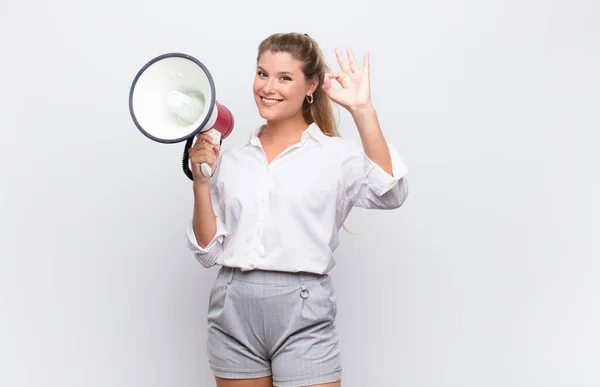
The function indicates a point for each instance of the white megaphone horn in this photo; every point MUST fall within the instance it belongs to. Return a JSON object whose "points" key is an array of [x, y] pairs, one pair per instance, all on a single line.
{"points": [[172, 99]]}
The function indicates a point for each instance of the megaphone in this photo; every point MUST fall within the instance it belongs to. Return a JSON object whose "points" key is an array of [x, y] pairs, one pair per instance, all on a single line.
{"points": [[172, 99]]}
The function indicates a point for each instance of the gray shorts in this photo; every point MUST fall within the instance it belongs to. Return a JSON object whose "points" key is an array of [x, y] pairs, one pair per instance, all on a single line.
{"points": [[263, 323]]}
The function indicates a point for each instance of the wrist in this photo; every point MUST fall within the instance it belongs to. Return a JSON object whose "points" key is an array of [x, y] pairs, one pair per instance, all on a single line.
{"points": [[367, 107], [201, 185], [365, 117], [361, 110]]}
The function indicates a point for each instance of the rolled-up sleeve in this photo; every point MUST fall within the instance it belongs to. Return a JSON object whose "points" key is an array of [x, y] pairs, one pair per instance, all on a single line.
{"points": [[207, 256], [367, 185]]}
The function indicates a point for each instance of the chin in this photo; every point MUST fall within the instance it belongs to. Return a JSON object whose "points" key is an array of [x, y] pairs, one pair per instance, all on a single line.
{"points": [[270, 114]]}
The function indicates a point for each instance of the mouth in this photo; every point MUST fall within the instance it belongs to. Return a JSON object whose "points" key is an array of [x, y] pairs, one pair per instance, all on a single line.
{"points": [[270, 101]]}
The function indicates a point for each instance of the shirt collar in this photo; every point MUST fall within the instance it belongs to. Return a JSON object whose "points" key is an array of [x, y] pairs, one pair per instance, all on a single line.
{"points": [[313, 131]]}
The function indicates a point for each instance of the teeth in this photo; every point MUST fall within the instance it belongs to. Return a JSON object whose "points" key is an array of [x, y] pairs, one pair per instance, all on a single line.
{"points": [[270, 100]]}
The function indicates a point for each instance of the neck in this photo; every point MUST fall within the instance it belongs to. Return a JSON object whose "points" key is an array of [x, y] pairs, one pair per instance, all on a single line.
{"points": [[288, 131]]}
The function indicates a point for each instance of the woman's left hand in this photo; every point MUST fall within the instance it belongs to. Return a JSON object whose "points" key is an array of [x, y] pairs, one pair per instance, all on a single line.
{"points": [[355, 92]]}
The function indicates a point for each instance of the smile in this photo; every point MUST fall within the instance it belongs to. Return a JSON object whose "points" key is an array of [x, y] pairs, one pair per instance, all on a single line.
{"points": [[269, 101]]}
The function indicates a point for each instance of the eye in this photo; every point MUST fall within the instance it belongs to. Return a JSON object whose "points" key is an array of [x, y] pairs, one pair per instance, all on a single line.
{"points": [[286, 78], [261, 73]]}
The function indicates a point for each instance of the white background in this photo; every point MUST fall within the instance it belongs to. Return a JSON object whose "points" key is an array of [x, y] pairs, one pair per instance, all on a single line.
{"points": [[487, 276]]}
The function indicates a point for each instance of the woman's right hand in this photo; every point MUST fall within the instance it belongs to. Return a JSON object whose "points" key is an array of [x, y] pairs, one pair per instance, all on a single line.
{"points": [[203, 151]]}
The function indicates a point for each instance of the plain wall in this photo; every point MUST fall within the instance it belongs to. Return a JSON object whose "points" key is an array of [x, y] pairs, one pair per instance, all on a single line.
{"points": [[487, 276]]}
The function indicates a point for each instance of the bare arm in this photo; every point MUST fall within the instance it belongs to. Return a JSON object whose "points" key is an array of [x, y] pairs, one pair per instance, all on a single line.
{"points": [[205, 221], [355, 96], [372, 138]]}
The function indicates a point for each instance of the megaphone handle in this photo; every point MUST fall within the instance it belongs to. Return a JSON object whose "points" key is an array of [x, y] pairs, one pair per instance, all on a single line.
{"points": [[215, 135], [206, 170]]}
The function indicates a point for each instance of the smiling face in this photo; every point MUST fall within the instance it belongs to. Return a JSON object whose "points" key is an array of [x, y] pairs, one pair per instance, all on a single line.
{"points": [[280, 86]]}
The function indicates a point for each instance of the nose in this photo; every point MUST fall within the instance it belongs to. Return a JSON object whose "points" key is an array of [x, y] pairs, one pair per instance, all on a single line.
{"points": [[269, 86]]}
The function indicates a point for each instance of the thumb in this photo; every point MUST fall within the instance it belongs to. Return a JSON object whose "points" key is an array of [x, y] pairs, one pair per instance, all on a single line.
{"points": [[327, 81], [328, 89]]}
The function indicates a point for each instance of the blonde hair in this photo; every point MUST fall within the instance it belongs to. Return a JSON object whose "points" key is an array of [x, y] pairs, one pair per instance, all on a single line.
{"points": [[305, 49]]}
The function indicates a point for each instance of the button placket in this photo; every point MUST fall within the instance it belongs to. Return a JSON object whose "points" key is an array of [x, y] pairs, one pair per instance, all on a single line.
{"points": [[257, 240]]}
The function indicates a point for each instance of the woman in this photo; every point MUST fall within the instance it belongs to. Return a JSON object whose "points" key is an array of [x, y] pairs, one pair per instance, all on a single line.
{"points": [[271, 212]]}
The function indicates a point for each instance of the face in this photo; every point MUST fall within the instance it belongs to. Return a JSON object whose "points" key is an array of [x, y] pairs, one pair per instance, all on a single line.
{"points": [[280, 86]]}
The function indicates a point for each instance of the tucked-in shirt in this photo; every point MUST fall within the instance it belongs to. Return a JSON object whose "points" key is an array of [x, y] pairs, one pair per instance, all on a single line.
{"points": [[286, 215]]}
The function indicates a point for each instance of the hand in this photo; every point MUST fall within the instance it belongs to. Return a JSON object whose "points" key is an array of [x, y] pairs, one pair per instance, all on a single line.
{"points": [[203, 151], [355, 92]]}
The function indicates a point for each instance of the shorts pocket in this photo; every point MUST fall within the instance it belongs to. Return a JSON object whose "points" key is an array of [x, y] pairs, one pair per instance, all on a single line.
{"points": [[332, 295], [218, 297], [318, 301]]}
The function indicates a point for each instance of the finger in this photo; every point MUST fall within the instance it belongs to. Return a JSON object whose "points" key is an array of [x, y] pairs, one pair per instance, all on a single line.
{"points": [[198, 139], [205, 148], [367, 64], [342, 62], [204, 137], [203, 155], [326, 81], [353, 65], [199, 153], [208, 148], [202, 144], [214, 147], [341, 78], [204, 158]]}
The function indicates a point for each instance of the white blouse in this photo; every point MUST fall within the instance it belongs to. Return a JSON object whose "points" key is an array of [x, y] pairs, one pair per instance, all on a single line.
{"points": [[286, 215]]}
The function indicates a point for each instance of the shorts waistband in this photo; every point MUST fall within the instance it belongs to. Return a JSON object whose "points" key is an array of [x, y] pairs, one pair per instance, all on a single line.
{"points": [[267, 277]]}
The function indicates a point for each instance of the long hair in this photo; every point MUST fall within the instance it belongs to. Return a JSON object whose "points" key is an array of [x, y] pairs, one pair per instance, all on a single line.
{"points": [[306, 50]]}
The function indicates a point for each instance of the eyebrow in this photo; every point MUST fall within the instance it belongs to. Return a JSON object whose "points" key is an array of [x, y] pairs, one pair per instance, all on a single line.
{"points": [[280, 73]]}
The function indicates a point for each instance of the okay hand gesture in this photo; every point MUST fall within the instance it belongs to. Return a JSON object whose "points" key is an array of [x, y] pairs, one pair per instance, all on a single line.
{"points": [[355, 82]]}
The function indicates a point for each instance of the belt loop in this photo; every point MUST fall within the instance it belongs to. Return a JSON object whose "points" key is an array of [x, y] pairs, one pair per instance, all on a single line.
{"points": [[231, 274]]}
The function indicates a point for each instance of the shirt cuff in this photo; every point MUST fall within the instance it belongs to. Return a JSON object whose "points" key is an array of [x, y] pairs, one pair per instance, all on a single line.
{"points": [[193, 245], [379, 180]]}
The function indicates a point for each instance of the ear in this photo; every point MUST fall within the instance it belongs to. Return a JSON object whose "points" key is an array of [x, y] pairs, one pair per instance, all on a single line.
{"points": [[312, 86]]}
